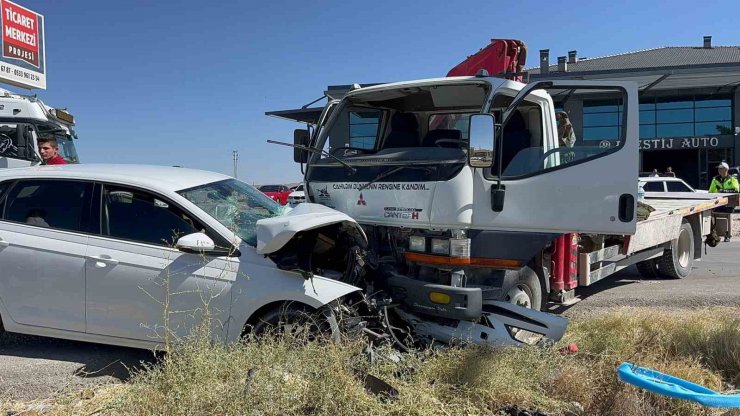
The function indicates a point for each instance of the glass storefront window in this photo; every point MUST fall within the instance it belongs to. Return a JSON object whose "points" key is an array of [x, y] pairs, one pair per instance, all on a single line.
{"points": [[714, 114], [602, 120], [711, 103], [647, 116], [647, 131], [594, 108], [714, 128], [601, 133], [699, 116], [676, 116], [675, 130], [671, 105]]}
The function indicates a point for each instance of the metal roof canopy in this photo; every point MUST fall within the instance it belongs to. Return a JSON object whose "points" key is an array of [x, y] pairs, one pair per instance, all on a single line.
{"points": [[719, 77], [722, 78]]}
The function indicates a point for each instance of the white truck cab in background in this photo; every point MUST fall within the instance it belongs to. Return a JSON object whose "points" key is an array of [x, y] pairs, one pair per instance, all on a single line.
{"points": [[25, 119]]}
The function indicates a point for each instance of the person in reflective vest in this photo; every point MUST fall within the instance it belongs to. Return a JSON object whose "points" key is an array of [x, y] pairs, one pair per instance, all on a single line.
{"points": [[726, 184]]}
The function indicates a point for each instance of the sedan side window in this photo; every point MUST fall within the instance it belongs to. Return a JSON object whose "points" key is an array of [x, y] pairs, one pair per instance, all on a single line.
{"points": [[131, 214], [677, 187], [653, 187], [3, 187], [48, 203]]}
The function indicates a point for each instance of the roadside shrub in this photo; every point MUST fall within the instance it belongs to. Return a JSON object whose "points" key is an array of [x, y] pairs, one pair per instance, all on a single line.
{"points": [[277, 375]]}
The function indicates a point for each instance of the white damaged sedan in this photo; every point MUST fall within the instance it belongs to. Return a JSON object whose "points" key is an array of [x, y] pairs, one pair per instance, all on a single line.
{"points": [[102, 253]]}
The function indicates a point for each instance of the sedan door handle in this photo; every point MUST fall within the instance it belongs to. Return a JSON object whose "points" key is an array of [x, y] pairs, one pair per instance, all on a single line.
{"points": [[102, 261]]}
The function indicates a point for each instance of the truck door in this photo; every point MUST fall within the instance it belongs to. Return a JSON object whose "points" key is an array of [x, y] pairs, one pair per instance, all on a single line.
{"points": [[576, 176]]}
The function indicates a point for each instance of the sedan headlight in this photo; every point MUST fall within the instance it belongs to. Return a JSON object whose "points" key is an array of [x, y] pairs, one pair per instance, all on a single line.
{"points": [[417, 243]]}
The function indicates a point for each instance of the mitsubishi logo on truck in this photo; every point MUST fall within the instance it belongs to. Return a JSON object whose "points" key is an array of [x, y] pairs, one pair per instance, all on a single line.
{"points": [[361, 201]]}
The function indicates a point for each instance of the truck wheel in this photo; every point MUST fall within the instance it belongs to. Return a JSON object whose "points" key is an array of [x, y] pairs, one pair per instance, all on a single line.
{"points": [[649, 269], [526, 290], [678, 259]]}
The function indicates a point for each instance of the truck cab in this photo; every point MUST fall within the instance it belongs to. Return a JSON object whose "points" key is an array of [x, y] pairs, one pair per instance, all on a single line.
{"points": [[25, 119], [465, 181]]}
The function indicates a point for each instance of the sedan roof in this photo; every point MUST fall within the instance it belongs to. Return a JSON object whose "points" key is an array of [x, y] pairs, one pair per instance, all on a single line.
{"points": [[660, 179], [155, 177]]}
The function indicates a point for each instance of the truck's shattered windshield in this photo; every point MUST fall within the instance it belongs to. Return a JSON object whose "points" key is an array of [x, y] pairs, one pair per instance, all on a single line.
{"points": [[385, 124]]}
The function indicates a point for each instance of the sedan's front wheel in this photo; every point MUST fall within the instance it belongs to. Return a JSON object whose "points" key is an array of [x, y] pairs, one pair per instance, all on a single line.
{"points": [[299, 322]]}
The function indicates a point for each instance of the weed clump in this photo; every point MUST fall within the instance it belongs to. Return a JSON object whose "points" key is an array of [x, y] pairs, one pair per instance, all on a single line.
{"points": [[276, 375]]}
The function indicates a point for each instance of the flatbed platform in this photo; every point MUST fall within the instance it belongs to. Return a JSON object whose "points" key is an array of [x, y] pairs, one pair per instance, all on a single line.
{"points": [[654, 233], [684, 203]]}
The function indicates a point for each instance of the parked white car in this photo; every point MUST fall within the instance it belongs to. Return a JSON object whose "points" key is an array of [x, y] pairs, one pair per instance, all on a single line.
{"points": [[94, 252], [666, 184], [297, 196]]}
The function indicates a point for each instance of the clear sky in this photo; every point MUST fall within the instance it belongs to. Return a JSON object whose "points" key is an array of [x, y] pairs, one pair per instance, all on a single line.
{"points": [[185, 83]]}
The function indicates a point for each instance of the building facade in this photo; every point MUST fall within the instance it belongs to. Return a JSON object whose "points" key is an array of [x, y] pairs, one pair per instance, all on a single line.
{"points": [[689, 105]]}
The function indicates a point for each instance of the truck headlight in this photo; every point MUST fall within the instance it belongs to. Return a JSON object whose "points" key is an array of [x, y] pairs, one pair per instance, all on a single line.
{"points": [[417, 243], [441, 246], [460, 247]]}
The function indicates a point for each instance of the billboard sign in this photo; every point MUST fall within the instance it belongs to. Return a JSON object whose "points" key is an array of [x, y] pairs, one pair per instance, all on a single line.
{"points": [[23, 61]]}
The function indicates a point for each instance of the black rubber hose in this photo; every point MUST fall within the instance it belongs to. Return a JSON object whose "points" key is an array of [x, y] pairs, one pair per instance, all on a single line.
{"points": [[390, 329]]}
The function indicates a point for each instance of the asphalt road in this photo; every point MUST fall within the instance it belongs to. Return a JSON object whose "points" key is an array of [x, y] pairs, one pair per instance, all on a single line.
{"points": [[33, 367]]}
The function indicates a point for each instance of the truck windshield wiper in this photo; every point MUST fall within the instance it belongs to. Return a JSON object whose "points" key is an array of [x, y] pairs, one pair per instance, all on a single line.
{"points": [[390, 172], [316, 150]]}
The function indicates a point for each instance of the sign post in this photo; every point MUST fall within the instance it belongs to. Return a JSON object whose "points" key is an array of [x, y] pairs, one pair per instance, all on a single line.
{"points": [[23, 61]]}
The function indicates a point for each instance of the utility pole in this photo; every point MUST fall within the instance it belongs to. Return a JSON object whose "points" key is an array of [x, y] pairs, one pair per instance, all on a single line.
{"points": [[235, 155]]}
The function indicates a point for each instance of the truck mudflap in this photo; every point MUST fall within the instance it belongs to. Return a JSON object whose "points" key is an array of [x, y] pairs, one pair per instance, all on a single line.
{"points": [[503, 324]]}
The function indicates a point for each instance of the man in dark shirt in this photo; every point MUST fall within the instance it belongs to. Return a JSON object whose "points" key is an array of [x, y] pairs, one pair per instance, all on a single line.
{"points": [[49, 151]]}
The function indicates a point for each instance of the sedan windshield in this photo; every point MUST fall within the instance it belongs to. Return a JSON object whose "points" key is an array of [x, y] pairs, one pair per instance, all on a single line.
{"points": [[236, 205]]}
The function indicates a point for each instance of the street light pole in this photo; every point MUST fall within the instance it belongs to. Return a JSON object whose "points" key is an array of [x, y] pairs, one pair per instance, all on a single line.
{"points": [[235, 155]]}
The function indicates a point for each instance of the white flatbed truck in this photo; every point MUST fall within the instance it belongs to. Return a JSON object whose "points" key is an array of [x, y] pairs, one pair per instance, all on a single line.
{"points": [[468, 198]]}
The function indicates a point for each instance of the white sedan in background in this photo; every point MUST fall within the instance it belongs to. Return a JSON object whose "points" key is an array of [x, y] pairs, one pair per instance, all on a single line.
{"points": [[666, 184], [95, 252]]}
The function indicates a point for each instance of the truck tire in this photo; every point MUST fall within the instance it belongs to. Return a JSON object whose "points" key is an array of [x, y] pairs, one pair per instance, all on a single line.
{"points": [[678, 259], [649, 269], [526, 290]]}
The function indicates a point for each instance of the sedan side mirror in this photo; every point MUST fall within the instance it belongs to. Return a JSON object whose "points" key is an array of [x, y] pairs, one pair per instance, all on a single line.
{"points": [[199, 243], [300, 138], [482, 141]]}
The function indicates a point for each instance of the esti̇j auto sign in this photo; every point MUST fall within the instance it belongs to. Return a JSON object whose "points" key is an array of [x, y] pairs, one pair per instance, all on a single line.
{"points": [[23, 62]]}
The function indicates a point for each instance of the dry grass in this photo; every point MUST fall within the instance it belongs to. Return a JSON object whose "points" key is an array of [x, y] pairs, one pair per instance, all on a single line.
{"points": [[276, 376]]}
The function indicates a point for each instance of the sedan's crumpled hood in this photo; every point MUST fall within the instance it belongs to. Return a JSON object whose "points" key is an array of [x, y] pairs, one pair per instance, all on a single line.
{"points": [[274, 233]]}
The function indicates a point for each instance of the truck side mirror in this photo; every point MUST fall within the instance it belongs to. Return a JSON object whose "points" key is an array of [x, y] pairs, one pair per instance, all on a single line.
{"points": [[25, 142], [300, 138], [482, 140]]}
